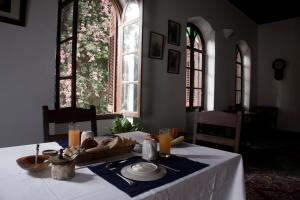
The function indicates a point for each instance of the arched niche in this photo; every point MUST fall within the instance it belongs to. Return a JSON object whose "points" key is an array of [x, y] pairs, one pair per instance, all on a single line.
{"points": [[246, 57]]}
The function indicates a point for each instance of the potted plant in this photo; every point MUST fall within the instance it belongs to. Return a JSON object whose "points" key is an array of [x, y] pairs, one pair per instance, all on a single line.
{"points": [[123, 125]]}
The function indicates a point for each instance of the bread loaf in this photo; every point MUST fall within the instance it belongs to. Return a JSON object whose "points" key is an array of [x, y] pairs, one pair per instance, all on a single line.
{"points": [[89, 143]]}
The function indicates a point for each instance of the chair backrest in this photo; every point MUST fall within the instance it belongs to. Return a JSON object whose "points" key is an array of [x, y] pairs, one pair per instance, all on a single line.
{"points": [[67, 115], [220, 119]]}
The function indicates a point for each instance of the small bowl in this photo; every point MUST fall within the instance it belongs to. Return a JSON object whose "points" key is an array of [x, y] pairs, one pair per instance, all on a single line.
{"points": [[50, 152], [28, 163]]}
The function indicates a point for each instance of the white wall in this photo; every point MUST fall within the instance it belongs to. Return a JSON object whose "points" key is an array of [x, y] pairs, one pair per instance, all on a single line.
{"points": [[163, 94], [27, 65], [27, 68], [280, 40]]}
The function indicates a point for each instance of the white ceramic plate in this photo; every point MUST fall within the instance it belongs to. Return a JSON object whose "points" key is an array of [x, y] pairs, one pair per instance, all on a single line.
{"points": [[143, 171], [143, 168]]}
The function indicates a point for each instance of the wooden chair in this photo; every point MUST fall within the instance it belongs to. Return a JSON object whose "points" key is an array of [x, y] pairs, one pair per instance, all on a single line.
{"points": [[67, 115], [220, 119]]}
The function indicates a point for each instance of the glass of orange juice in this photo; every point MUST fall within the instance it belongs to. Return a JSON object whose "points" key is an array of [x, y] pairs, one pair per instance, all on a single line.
{"points": [[74, 135], [164, 142]]}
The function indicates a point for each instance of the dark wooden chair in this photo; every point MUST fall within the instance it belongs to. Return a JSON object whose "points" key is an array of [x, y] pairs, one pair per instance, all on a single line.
{"points": [[67, 115], [218, 119]]}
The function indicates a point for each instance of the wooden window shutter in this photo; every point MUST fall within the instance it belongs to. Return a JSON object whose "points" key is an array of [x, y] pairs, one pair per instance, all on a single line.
{"points": [[112, 64]]}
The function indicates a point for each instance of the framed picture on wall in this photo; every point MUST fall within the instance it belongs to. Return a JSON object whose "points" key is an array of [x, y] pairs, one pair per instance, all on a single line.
{"points": [[13, 11], [173, 61], [156, 45], [173, 33]]}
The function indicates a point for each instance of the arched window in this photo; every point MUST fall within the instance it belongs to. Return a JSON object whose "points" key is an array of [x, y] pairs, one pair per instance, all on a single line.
{"points": [[131, 59], [239, 79], [87, 67], [195, 52]]}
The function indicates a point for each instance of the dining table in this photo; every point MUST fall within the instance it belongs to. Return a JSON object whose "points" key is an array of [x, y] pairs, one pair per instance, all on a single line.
{"points": [[222, 179]]}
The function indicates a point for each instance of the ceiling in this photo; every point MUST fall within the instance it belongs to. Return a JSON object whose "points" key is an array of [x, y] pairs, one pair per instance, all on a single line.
{"points": [[263, 13]]}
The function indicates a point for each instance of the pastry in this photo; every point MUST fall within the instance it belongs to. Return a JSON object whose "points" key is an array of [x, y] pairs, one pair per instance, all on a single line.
{"points": [[89, 143]]}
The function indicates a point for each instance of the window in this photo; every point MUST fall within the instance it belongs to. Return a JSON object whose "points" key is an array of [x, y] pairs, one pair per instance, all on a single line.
{"points": [[238, 78], [87, 56], [194, 68], [131, 62]]}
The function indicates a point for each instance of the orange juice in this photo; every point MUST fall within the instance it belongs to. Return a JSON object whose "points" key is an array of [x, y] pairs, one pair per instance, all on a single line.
{"points": [[74, 138], [164, 144]]}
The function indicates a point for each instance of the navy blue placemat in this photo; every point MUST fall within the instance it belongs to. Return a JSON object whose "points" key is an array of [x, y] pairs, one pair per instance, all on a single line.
{"points": [[185, 166], [63, 142]]}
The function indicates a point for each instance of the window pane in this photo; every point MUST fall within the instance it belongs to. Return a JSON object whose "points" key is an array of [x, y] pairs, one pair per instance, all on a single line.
{"points": [[131, 38], [130, 68], [238, 83], [238, 97], [238, 57], [188, 58], [65, 93], [196, 79], [187, 76], [200, 79], [198, 60], [65, 66], [187, 97], [198, 43], [187, 39], [92, 54], [66, 21], [200, 97], [196, 102], [132, 11], [129, 97], [238, 70]]}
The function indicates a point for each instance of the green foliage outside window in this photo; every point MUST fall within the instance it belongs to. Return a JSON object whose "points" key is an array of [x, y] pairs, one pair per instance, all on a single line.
{"points": [[94, 19]]}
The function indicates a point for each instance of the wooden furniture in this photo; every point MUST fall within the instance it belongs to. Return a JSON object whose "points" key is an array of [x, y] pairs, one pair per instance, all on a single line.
{"points": [[67, 115], [266, 116], [220, 119]]}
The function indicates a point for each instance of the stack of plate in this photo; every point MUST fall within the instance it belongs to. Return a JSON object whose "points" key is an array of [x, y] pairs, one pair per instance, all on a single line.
{"points": [[143, 171]]}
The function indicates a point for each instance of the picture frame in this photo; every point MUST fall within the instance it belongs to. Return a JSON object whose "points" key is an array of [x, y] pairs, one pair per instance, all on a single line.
{"points": [[13, 11], [173, 33], [173, 61], [156, 45]]}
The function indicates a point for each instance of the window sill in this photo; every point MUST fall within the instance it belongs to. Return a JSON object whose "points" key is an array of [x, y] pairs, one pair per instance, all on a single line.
{"points": [[108, 116]]}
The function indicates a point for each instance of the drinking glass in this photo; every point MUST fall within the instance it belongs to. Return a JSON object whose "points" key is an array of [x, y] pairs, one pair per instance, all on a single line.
{"points": [[74, 135], [164, 142]]}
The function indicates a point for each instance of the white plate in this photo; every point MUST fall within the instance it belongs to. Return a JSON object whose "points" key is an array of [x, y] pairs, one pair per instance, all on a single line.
{"points": [[150, 175], [142, 168]]}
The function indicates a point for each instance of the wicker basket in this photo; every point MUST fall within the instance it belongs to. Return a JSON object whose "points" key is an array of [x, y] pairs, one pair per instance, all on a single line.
{"points": [[93, 157]]}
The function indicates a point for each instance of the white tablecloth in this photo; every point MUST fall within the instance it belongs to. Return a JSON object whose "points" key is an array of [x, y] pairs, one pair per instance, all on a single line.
{"points": [[222, 180]]}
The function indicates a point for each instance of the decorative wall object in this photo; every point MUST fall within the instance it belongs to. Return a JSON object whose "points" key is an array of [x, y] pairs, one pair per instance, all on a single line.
{"points": [[173, 61], [156, 45], [13, 11], [278, 66], [173, 33], [228, 32]]}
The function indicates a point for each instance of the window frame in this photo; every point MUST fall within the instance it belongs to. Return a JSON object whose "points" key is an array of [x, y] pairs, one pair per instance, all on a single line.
{"points": [[61, 5], [123, 24], [192, 69], [59, 42], [241, 63]]}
